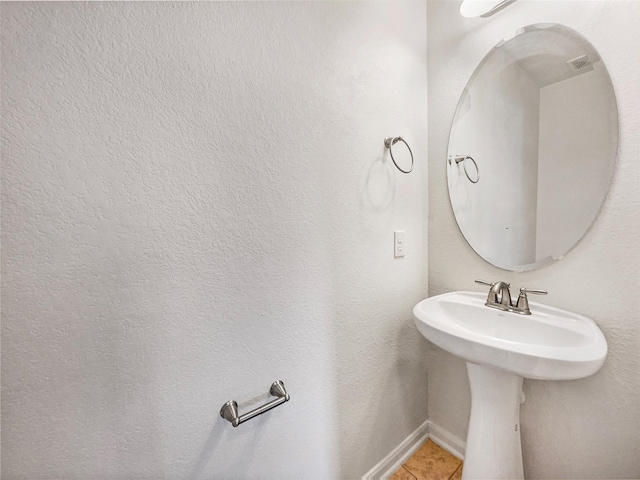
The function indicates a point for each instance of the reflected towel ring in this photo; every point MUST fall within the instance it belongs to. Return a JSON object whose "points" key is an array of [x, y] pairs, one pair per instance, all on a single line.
{"points": [[389, 142], [463, 159]]}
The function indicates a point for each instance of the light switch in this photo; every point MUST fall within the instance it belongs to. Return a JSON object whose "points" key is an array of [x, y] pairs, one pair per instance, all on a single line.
{"points": [[399, 246]]}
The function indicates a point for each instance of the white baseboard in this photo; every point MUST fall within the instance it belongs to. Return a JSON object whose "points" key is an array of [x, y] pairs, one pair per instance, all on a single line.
{"points": [[394, 460], [447, 440], [389, 464]]}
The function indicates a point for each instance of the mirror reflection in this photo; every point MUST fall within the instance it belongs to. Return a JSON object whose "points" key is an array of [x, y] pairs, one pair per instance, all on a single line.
{"points": [[537, 125]]}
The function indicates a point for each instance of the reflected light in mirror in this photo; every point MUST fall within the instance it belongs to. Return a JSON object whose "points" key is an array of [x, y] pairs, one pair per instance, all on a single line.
{"points": [[482, 8]]}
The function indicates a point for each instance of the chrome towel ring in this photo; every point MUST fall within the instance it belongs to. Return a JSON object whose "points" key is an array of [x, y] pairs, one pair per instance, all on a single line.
{"points": [[389, 142], [463, 159]]}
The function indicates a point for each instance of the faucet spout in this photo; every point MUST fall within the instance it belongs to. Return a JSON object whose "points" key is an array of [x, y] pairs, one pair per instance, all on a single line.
{"points": [[499, 296]]}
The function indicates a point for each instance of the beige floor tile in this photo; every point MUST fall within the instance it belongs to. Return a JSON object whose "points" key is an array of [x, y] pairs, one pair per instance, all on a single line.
{"points": [[457, 475], [402, 474], [430, 462]]}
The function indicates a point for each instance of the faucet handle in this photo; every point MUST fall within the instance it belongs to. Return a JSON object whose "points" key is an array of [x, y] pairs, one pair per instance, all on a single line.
{"points": [[531, 290], [522, 305]]}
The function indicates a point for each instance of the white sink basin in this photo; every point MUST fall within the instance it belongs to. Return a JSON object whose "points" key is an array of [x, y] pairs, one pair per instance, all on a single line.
{"points": [[549, 344], [501, 348]]}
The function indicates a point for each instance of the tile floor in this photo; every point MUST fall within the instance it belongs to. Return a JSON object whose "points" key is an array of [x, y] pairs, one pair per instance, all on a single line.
{"points": [[430, 462]]}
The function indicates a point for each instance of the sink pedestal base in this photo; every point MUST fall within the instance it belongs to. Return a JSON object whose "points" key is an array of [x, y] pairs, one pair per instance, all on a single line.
{"points": [[493, 447]]}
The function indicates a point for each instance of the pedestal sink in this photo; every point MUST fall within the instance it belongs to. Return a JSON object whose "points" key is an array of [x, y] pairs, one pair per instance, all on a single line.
{"points": [[501, 348]]}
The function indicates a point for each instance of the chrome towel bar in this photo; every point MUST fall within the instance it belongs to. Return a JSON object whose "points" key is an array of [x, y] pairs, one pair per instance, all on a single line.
{"points": [[229, 410]]}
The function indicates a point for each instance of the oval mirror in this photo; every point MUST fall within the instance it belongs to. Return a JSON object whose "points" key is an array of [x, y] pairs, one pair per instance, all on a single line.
{"points": [[532, 147]]}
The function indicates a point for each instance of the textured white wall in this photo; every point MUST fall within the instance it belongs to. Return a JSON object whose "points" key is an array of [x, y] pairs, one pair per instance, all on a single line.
{"points": [[579, 429], [195, 204]]}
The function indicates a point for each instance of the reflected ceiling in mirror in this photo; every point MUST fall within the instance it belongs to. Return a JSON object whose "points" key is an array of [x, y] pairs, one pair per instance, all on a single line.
{"points": [[537, 127]]}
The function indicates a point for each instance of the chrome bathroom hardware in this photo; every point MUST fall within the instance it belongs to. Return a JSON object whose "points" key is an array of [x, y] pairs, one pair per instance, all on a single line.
{"points": [[522, 307], [229, 410], [463, 159], [391, 141], [500, 297]]}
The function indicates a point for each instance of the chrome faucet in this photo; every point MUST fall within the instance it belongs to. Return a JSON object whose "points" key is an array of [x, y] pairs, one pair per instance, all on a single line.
{"points": [[500, 297]]}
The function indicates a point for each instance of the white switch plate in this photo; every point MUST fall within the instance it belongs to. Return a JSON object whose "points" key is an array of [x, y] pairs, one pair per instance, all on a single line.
{"points": [[399, 246]]}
